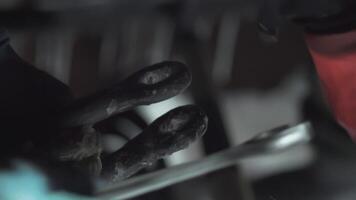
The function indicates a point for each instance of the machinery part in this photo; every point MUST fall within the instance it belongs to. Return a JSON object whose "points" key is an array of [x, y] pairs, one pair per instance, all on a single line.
{"points": [[317, 16], [331, 38]]}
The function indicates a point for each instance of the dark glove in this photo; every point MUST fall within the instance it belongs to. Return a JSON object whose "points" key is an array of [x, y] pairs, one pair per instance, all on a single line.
{"points": [[40, 121]]}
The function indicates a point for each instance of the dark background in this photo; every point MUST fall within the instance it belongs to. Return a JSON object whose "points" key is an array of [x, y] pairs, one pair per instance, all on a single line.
{"points": [[246, 85]]}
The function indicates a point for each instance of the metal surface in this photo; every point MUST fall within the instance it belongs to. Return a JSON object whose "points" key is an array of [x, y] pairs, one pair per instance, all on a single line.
{"points": [[267, 142]]}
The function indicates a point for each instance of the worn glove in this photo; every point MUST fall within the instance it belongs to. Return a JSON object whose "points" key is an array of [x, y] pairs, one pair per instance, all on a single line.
{"points": [[43, 124]]}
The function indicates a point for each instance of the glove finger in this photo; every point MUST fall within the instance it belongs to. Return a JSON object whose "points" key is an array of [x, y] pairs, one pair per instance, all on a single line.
{"points": [[171, 132], [149, 85]]}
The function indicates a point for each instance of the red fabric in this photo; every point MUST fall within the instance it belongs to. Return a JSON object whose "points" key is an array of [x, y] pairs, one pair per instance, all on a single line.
{"points": [[335, 59]]}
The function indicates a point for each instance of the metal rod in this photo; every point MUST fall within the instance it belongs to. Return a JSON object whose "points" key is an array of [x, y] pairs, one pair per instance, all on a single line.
{"points": [[267, 142]]}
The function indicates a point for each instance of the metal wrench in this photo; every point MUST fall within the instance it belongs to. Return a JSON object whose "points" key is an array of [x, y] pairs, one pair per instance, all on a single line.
{"points": [[271, 141]]}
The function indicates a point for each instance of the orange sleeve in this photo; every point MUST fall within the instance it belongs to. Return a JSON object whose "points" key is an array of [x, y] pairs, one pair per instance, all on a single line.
{"points": [[334, 56]]}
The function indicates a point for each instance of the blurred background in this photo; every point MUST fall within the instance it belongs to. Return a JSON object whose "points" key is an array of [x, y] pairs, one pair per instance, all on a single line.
{"points": [[245, 84]]}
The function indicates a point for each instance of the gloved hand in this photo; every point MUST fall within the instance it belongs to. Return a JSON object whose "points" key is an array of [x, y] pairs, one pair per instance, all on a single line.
{"points": [[41, 122], [331, 38]]}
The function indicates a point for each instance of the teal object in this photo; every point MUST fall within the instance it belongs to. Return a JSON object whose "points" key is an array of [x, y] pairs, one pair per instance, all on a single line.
{"points": [[26, 182]]}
